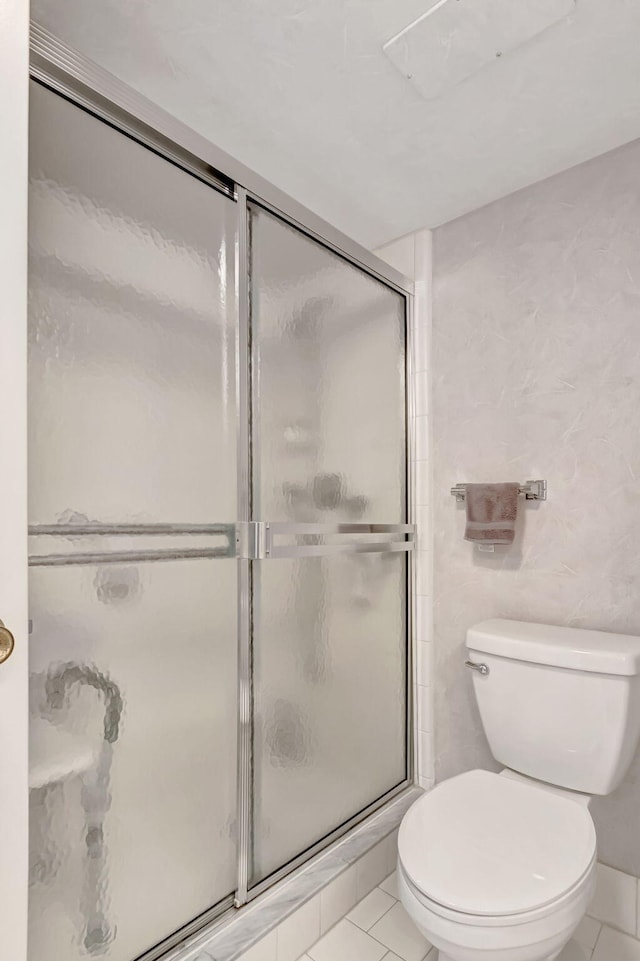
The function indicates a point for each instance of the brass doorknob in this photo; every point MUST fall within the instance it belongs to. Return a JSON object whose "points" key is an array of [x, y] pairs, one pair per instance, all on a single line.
{"points": [[7, 643]]}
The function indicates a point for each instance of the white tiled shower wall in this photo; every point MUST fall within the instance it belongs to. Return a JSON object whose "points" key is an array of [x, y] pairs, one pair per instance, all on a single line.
{"points": [[412, 256]]}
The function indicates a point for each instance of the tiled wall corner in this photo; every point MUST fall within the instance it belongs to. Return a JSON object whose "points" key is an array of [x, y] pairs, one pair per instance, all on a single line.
{"points": [[616, 900], [412, 256], [423, 479], [615, 946]]}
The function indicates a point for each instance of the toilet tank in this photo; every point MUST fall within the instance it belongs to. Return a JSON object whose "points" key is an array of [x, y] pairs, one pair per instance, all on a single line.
{"points": [[559, 704]]}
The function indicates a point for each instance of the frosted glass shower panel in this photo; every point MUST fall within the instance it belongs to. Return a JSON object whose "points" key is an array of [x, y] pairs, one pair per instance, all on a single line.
{"points": [[330, 696], [329, 454], [132, 763], [132, 329], [329, 407], [132, 505]]}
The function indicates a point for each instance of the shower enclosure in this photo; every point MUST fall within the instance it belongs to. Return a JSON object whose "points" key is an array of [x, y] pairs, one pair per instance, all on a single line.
{"points": [[220, 543]]}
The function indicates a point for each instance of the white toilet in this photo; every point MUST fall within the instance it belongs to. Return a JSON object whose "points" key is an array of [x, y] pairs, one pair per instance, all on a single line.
{"points": [[501, 867]]}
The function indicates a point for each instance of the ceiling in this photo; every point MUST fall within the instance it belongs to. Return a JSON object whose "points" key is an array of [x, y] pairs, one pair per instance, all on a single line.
{"points": [[301, 91]]}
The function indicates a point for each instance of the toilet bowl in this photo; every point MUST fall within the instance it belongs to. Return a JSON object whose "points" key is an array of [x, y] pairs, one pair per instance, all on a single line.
{"points": [[492, 869], [527, 937], [501, 867]]}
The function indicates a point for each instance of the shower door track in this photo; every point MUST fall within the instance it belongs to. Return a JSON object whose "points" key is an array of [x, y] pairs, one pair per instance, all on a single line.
{"points": [[79, 80], [83, 82]]}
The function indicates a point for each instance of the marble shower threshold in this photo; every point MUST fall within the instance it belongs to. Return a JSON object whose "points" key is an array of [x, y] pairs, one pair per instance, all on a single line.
{"points": [[232, 935]]}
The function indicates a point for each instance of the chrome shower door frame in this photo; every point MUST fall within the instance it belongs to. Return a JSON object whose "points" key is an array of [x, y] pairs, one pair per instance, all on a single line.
{"points": [[70, 74], [261, 546]]}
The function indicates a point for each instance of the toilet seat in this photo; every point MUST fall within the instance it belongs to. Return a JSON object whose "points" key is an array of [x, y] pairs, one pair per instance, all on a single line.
{"points": [[505, 920], [495, 850]]}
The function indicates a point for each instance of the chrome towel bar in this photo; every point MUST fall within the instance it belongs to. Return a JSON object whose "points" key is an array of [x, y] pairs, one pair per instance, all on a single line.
{"points": [[533, 490]]}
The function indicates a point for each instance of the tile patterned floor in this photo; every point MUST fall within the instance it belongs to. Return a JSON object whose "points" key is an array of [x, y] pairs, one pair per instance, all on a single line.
{"points": [[379, 929]]}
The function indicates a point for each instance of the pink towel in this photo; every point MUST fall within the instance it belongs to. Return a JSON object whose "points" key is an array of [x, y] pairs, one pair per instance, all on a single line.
{"points": [[491, 513]]}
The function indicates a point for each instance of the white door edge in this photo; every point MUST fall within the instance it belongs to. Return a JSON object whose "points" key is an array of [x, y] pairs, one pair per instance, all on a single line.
{"points": [[14, 75]]}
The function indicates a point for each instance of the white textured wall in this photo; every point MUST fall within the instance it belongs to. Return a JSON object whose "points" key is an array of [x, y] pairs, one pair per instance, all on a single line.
{"points": [[536, 359]]}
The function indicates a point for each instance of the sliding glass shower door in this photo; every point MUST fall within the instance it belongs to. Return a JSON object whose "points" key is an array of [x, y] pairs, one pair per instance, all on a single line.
{"points": [[330, 600], [219, 539], [132, 505]]}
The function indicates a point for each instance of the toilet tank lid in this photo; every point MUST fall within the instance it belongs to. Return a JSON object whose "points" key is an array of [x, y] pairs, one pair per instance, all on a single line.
{"points": [[572, 647]]}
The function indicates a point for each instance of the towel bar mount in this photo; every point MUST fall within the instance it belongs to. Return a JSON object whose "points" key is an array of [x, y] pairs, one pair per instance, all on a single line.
{"points": [[533, 490]]}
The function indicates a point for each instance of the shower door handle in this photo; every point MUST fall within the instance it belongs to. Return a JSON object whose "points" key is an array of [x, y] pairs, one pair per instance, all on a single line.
{"points": [[257, 539], [7, 643]]}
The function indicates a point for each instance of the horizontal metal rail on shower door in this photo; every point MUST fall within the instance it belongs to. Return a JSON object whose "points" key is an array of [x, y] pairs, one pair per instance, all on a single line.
{"points": [[134, 555], [73, 530], [125, 557], [258, 539], [249, 540]]}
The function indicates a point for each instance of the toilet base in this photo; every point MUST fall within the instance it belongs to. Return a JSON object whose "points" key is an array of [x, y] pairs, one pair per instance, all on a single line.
{"points": [[445, 957]]}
